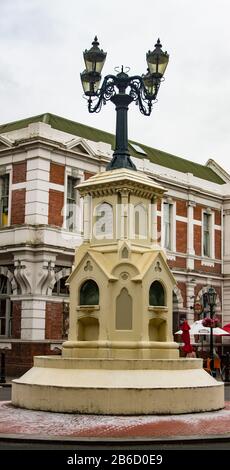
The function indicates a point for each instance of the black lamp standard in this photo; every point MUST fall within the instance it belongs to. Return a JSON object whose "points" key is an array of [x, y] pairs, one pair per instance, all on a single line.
{"points": [[122, 89], [211, 297]]}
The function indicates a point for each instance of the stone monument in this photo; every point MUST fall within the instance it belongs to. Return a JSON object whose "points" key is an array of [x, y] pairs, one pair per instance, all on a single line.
{"points": [[120, 357]]}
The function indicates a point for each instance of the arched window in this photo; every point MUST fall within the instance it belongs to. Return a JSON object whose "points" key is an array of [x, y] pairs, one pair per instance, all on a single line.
{"points": [[103, 227], [140, 222], [156, 294], [89, 293], [5, 306], [60, 287]]}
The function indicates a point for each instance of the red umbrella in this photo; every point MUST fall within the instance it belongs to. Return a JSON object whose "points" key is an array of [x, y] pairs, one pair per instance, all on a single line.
{"points": [[187, 348], [226, 327]]}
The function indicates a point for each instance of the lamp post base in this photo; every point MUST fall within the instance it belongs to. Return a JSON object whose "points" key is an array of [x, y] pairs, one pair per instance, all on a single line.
{"points": [[121, 161]]}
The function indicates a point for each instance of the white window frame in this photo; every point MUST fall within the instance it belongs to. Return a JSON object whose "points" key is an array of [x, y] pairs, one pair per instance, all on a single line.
{"points": [[2, 176], [78, 216], [211, 250], [172, 225]]}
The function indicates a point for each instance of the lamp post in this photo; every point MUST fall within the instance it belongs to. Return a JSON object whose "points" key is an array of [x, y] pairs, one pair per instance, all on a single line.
{"points": [[122, 89], [211, 297]]}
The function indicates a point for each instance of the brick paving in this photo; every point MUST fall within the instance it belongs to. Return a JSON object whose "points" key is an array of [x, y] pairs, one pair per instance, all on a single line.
{"points": [[26, 423]]}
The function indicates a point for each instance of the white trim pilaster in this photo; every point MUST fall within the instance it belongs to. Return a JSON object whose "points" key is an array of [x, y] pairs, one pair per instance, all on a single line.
{"points": [[153, 219], [33, 316], [190, 235], [87, 218]]}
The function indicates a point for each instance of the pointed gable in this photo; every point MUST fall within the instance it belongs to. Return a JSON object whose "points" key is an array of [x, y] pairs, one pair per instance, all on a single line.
{"points": [[156, 262], [5, 143], [88, 261], [80, 145]]}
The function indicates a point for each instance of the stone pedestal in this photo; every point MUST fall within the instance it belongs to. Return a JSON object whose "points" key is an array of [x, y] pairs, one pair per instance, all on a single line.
{"points": [[118, 386]]}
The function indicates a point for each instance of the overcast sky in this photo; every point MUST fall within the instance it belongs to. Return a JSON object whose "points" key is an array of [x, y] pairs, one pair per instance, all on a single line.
{"points": [[41, 44]]}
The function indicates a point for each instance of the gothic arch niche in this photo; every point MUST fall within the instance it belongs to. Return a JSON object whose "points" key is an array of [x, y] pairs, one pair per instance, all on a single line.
{"points": [[157, 298], [103, 226], [157, 294], [140, 222], [124, 311], [125, 252], [89, 293], [88, 329]]}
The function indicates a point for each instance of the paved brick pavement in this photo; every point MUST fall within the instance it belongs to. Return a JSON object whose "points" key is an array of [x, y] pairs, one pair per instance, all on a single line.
{"points": [[26, 423]]}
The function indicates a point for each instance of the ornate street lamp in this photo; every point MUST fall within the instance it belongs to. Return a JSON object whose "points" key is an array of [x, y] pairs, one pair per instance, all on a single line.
{"points": [[122, 89], [211, 298]]}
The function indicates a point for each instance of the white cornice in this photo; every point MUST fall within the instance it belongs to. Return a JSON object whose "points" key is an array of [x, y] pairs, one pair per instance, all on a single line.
{"points": [[120, 180]]}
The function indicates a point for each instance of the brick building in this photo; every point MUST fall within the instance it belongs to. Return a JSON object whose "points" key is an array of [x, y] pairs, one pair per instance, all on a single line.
{"points": [[42, 159]]}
